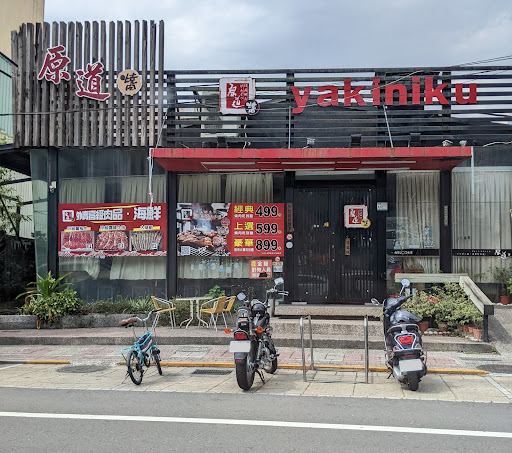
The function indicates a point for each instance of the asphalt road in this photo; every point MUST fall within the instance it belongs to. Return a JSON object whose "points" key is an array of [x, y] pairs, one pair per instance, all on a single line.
{"points": [[44, 420]]}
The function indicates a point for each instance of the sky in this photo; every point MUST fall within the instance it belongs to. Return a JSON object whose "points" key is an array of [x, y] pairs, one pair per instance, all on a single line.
{"points": [[319, 34]]}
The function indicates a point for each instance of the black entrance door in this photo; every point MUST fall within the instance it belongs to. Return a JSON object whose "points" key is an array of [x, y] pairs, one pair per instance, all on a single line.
{"points": [[333, 263]]}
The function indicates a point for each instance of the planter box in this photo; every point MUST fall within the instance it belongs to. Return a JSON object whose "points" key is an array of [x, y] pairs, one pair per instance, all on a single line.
{"points": [[17, 322]]}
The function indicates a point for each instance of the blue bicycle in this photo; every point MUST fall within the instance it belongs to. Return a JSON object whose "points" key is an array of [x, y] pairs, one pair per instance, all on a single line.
{"points": [[143, 350]]}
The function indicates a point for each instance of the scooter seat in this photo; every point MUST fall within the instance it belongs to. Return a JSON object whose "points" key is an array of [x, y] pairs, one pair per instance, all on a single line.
{"points": [[403, 328]]}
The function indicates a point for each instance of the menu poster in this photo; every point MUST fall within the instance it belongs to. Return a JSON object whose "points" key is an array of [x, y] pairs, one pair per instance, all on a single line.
{"points": [[114, 229], [230, 229]]}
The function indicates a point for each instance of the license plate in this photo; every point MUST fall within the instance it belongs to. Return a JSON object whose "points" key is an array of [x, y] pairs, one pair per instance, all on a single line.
{"points": [[410, 365], [239, 346]]}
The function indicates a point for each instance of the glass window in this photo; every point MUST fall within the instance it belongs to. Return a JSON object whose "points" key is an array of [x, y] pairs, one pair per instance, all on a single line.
{"points": [[111, 176]]}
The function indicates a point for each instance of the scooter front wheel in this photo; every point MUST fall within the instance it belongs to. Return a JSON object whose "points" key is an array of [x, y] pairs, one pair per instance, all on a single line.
{"points": [[413, 381]]}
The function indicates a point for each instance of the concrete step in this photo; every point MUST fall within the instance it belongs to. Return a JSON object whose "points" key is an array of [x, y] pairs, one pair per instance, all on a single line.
{"points": [[202, 336], [335, 327], [329, 311]]}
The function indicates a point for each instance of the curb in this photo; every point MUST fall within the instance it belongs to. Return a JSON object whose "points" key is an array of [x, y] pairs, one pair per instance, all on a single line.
{"points": [[293, 366], [296, 366]]}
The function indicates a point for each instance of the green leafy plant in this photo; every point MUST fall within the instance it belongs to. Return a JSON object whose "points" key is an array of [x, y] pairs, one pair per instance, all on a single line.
{"points": [[46, 287], [50, 300], [49, 309], [447, 305], [502, 276], [216, 292]]}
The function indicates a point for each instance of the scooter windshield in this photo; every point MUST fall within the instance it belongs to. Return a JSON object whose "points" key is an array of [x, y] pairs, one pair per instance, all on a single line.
{"points": [[405, 317]]}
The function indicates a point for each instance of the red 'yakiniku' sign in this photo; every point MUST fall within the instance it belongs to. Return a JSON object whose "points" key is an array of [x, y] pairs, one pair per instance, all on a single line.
{"points": [[131, 229], [354, 214]]}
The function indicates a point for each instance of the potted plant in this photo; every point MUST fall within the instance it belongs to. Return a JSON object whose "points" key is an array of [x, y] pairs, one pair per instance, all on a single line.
{"points": [[502, 276]]}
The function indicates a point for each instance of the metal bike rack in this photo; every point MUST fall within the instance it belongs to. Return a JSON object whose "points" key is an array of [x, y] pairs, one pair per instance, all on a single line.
{"points": [[312, 365]]}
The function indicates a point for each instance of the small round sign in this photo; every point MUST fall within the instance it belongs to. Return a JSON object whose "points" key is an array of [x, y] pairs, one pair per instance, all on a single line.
{"points": [[252, 107], [289, 237], [289, 245], [277, 258], [365, 223]]}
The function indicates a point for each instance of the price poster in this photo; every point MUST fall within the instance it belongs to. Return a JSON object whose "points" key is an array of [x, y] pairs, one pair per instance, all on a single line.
{"points": [[230, 229], [257, 229], [131, 229]]}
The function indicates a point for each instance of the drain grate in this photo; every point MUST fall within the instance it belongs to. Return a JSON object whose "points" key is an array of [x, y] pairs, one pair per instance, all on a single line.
{"points": [[212, 372], [81, 369], [504, 369]]}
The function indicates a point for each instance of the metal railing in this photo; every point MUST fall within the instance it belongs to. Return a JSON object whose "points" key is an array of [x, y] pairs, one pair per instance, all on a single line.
{"points": [[312, 365]]}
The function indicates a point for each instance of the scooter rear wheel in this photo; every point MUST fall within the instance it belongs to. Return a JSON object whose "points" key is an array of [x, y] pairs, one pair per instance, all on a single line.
{"points": [[413, 381], [244, 374]]}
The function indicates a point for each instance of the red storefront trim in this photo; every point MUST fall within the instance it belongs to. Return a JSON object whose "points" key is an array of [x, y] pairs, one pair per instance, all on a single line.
{"points": [[322, 159]]}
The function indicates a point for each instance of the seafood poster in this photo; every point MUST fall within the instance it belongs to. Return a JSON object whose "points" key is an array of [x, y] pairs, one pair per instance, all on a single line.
{"points": [[113, 229], [230, 229]]}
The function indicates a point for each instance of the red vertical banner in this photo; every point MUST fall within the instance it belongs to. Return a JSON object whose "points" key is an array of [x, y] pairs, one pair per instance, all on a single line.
{"points": [[256, 229]]}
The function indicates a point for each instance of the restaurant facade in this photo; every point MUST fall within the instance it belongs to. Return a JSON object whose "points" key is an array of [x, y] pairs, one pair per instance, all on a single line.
{"points": [[148, 180]]}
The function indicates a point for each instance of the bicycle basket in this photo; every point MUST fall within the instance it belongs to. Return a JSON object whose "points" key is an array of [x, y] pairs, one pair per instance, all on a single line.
{"points": [[145, 342]]}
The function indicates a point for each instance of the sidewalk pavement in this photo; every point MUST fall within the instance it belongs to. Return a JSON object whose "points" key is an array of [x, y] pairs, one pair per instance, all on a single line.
{"points": [[103, 345], [80, 361]]}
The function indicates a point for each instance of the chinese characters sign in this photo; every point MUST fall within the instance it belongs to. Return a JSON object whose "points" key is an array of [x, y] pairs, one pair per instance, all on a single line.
{"points": [[234, 93], [116, 229], [261, 269], [88, 80], [236, 229], [129, 82], [356, 216]]}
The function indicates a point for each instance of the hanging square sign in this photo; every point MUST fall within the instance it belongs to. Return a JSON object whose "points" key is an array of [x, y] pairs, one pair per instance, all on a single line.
{"points": [[354, 214], [234, 93]]}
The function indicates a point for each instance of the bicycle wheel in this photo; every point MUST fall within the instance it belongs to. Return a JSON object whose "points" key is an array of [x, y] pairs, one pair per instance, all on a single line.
{"points": [[156, 358], [134, 368]]}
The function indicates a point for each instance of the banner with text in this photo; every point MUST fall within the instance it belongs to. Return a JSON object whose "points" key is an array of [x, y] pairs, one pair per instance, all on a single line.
{"points": [[230, 229], [113, 229]]}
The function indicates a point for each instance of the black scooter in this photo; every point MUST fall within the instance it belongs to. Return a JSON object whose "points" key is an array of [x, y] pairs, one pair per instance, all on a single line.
{"points": [[252, 346], [405, 357]]}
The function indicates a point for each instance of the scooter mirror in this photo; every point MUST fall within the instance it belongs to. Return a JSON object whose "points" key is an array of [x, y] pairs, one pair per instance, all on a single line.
{"points": [[406, 283], [240, 296], [279, 281], [375, 301]]}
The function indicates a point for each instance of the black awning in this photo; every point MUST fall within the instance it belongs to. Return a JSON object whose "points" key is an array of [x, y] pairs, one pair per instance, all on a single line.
{"points": [[15, 159]]}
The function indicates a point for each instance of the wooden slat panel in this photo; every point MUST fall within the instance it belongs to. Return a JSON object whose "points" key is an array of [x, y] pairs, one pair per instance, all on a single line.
{"points": [[103, 59], [61, 94], [68, 139], [52, 135], [45, 90], [36, 86], [86, 114], [29, 77], [77, 102], [144, 95], [111, 66], [161, 79], [136, 97], [152, 83], [127, 65], [95, 104], [119, 68]]}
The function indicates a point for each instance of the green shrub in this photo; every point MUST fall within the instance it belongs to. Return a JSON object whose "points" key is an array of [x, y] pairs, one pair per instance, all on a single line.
{"points": [[52, 307], [446, 304]]}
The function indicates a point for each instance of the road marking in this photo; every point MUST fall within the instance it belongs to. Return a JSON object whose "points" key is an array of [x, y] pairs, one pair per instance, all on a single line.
{"points": [[269, 423], [499, 387], [9, 366]]}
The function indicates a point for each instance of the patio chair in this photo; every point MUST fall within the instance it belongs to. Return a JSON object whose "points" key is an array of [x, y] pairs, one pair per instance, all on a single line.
{"points": [[216, 310], [229, 306], [163, 305]]}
